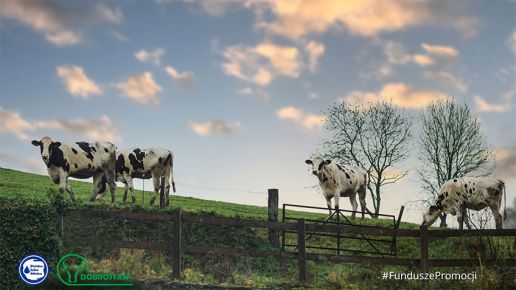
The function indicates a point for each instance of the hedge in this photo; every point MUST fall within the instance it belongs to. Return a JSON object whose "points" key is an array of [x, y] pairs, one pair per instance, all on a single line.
{"points": [[27, 227]]}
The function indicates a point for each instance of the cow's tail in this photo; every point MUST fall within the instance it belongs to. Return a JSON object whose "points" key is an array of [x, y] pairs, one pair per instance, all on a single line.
{"points": [[172, 171], [504, 201]]}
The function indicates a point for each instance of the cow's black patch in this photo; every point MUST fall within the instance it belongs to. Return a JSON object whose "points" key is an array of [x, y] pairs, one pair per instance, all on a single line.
{"points": [[136, 159], [86, 148], [120, 165], [56, 157], [93, 149], [321, 165], [74, 151]]}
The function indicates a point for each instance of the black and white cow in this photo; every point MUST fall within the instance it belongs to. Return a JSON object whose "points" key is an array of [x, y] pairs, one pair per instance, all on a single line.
{"points": [[79, 160], [340, 181], [144, 164], [476, 193]]}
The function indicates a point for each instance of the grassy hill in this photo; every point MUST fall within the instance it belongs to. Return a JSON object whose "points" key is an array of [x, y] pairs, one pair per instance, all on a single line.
{"points": [[239, 270]]}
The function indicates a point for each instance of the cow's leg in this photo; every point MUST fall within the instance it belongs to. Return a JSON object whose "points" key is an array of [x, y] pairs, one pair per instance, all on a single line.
{"points": [[110, 178], [126, 188], [129, 184], [354, 204], [336, 201], [361, 199], [69, 190], [97, 180], [64, 186], [497, 216], [460, 217], [155, 181], [328, 203], [166, 173], [465, 218]]}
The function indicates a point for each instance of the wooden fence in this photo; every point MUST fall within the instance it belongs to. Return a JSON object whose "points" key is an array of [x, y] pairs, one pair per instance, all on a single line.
{"points": [[176, 248]]}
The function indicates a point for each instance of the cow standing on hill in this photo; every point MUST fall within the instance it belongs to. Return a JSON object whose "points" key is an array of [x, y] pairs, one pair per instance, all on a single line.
{"points": [[144, 164], [341, 181], [80, 160], [458, 194]]}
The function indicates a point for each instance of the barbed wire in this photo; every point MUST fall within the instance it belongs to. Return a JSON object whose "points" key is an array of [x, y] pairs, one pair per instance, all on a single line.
{"points": [[220, 188]]}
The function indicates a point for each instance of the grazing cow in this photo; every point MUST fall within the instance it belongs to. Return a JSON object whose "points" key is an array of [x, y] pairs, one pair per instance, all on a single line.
{"points": [[476, 193], [80, 160], [340, 181], [144, 164]]}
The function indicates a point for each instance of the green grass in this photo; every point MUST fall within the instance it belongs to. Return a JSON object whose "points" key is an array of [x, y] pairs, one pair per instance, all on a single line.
{"points": [[244, 270]]}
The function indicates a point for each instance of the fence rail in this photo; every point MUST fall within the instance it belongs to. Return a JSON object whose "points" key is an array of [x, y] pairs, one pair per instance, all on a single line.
{"points": [[300, 226]]}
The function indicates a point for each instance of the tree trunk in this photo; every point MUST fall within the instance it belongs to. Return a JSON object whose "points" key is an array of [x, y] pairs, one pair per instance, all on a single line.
{"points": [[442, 217], [378, 200]]}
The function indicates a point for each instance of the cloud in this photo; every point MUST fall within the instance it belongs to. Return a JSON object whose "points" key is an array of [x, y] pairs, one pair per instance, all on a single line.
{"points": [[506, 162], [512, 42], [377, 72], [315, 50], [447, 78], [262, 63], [401, 94], [14, 123], [308, 121], [368, 18], [77, 82], [396, 54], [141, 88], [484, 106], [43, 17], [313, 96], [111, 15], [102, 129], [153, 57], [185, 79], [99, 129], [214, 127], [442, 51], [119, 36], [258, 92], [60, 24]]}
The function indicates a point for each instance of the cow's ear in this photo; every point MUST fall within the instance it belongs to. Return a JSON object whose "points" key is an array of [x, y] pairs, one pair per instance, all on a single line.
{"points": [[308, 161], [36, 142], [328, 161], [56, 144]]}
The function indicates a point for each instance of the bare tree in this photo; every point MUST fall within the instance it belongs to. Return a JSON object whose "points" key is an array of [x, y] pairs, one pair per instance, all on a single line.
{"points": [[373, 136], [451, 145]]}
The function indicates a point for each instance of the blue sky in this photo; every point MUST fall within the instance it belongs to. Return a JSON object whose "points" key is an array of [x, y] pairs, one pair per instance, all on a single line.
{"points": [[237, 89]]}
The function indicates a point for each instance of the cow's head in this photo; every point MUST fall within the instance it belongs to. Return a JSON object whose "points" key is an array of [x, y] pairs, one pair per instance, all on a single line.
{"points": [[46, 146], [433, 211], [317, 164]]}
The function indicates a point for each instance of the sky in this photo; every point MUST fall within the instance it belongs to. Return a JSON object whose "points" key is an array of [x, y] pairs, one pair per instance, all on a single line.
{"points": [[238, 89]]}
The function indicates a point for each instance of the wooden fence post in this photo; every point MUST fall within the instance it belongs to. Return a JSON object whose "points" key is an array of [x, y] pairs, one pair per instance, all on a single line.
{"points": [[273, 216], [423, 239], [176, 245], [301, 249], [162, 192]]}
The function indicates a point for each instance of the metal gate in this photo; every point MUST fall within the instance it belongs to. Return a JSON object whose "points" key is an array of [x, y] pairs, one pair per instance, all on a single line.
{"points": [[343, 242]]}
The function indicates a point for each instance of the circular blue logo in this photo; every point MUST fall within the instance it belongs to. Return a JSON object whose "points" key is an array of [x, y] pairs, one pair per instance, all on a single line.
{"points": [[33, 269]]}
